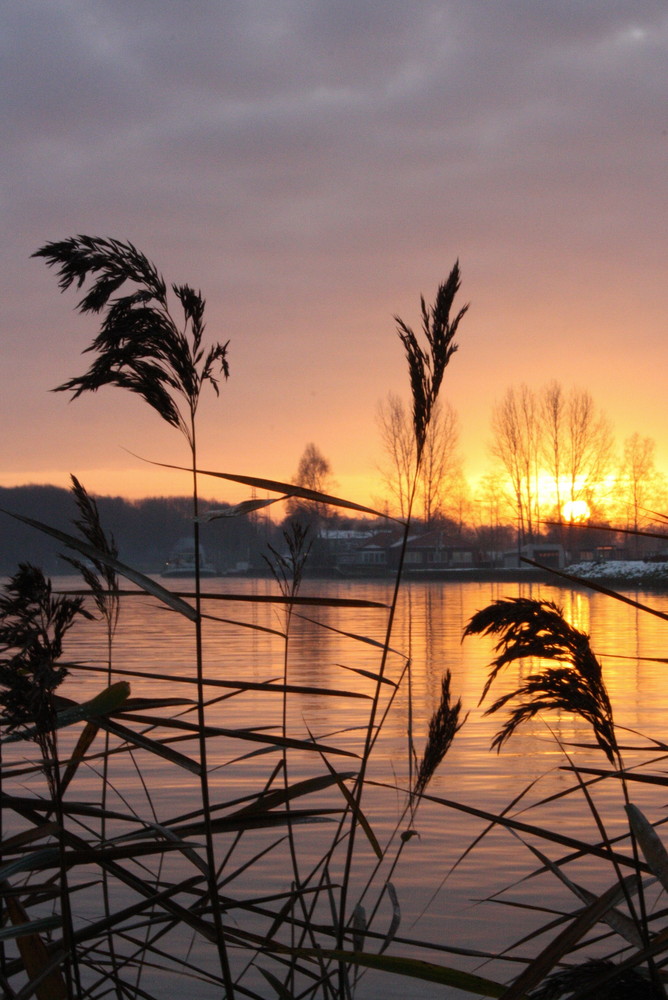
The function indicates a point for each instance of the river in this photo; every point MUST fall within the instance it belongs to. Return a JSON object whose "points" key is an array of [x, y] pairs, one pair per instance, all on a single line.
{"points": [[438, 904]]}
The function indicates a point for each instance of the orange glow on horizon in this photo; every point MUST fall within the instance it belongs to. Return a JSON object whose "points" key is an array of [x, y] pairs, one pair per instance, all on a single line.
{"points": [[576, 511], [150, 481]]}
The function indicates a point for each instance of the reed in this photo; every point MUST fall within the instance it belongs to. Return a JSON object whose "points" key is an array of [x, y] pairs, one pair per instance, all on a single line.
{"points": [[537, 631], [140, 347], [165, 874]]}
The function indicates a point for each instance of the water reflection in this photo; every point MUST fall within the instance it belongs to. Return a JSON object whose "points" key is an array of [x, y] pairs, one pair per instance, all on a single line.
{"points": [[575, 607], [436, 890]]}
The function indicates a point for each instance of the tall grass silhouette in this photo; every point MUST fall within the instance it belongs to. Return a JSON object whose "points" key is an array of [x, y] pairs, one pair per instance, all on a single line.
{"points": [[316, 938], [165, 877]]}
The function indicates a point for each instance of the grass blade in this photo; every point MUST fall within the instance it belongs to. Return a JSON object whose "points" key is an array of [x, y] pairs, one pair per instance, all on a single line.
{"points": [[650, 843], [370, 674], [153, 746], [109, 700], [240, 685], [324, 602], [543, 964], [350, 635], [36, 959], [238, 510], [353, 805], [241, 734], [414, 969], [84, 744], [543, 833], [273, 486], [615, 919]]}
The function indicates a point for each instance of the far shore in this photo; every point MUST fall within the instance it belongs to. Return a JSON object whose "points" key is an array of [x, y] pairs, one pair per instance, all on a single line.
{"points": [[622, 575], [628, 575]]}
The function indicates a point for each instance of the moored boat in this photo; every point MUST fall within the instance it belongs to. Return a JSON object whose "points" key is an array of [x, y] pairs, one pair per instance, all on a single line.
{"points": [[182, 563]]}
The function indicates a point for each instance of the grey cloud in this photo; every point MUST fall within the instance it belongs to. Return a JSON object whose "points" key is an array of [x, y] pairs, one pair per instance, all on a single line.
{"points": [[333, 126], [269, 78]]}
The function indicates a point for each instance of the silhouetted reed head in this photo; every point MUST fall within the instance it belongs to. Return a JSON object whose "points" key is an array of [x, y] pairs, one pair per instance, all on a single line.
{"points": [[33, 624], [139, 347], [443, 727], [288, 568], [529, 627], [427, 367], [98, 575]]}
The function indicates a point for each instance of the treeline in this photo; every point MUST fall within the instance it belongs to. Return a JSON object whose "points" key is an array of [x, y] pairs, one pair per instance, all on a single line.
{"points": [[561, 461], [146, 531], [553, 458]]}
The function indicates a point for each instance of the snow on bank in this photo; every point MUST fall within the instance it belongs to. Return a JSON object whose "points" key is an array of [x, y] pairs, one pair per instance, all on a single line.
{"points": [[629, 571]]}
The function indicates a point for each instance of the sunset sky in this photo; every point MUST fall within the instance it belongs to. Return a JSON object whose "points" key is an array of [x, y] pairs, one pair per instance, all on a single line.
{"points": [[314, 166]]}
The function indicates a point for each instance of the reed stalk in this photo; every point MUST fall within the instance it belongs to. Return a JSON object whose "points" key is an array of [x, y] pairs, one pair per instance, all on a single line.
{"points": [[33, 625], [426, 368], [141, 348], [528, 628]]}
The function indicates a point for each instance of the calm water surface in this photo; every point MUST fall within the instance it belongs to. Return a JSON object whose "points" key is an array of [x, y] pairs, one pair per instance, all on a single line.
{"points": [[445, 897]]}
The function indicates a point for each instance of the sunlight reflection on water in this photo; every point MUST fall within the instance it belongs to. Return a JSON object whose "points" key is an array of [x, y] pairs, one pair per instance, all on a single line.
{"points": [[428, 628]]}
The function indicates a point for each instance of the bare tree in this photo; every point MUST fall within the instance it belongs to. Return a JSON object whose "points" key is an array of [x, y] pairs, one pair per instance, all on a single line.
{"points": [[553, 418], [506, 446], [440, 469], [639, 480], [589, 446], [458, 502], [440, 464], [491, 503], [492, 514], [398, 440], [314, 472], [516, 444], [556, 434]]}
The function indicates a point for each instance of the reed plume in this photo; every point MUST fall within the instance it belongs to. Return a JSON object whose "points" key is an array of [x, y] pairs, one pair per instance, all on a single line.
{"points": [[98, 575], [139, 347], [33, 624], [288, 570], [427, 367], [529, 627], [443, 727]]}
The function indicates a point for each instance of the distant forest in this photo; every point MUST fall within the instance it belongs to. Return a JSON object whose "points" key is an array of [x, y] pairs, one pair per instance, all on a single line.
{"points": [[146, 531]]}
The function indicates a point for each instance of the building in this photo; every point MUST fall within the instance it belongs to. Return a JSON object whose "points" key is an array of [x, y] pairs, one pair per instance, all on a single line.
{"points": [[550, 554], [427, 552]]}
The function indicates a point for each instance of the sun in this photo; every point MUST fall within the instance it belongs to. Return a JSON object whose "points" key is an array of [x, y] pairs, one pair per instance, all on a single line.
{"points": [[576, 511]]}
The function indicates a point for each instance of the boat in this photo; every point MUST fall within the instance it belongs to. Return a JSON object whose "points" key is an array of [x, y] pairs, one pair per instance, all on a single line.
{"points": [[181, 562]]}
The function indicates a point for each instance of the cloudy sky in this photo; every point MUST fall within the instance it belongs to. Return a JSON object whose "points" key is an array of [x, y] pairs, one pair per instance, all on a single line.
{"points": [[314, 166]]}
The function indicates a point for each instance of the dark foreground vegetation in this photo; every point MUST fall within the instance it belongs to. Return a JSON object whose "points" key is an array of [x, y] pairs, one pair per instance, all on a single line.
{"points": [[335, 920]]}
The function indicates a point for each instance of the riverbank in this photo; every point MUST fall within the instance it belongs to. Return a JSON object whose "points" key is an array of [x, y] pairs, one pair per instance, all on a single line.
{"points": [[631, 573], [478, 574], [628, 574]]}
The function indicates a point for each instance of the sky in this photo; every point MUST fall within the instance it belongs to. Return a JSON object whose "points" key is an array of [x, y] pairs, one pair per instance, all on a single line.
{"points": [[314, 166]]}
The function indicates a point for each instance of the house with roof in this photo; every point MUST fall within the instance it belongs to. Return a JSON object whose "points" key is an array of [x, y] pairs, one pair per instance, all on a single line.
{"points": [[550, 554], [425, 552]]}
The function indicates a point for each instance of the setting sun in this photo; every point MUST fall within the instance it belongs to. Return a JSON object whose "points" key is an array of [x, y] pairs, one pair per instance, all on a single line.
{"points": [[576, 511]]}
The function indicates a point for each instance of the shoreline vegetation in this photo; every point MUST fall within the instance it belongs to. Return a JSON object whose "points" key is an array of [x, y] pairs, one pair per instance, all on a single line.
{"points": [[624, 575], [152, 532], [103, 897]]}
